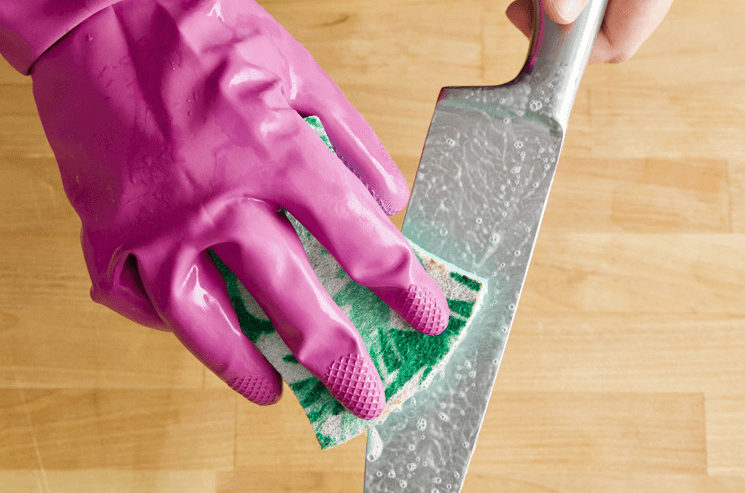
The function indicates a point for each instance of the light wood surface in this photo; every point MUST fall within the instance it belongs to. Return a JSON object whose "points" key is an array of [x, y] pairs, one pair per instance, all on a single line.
{"points": [[625, 370]]}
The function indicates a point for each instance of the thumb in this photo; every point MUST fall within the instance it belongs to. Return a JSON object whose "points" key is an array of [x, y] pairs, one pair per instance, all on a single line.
{"points": [[564, 11]]}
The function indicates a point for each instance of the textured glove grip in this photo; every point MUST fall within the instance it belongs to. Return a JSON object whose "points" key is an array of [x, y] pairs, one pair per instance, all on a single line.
{"points": [[29, 27]]}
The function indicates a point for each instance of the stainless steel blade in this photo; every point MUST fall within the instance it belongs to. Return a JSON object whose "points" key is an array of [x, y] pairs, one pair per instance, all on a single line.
{"points": [[478, 200]]}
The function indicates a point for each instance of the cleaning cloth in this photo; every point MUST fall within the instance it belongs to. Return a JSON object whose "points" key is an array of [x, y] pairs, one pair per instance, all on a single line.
{"points": [[405, 359]]}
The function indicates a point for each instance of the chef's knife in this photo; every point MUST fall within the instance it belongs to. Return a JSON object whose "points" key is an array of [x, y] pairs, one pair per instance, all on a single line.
{"points": [[478, 200]]}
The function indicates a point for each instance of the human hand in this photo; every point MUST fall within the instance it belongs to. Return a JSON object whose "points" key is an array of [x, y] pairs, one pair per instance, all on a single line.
{"points": [[627, 23], [178, 129]]}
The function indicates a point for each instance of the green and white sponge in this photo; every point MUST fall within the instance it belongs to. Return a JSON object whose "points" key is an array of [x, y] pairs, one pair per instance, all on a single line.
{"points": [[405, 359]]}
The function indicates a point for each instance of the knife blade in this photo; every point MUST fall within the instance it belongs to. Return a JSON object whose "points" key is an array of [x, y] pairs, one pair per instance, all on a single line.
{"points": [[478, 200]]}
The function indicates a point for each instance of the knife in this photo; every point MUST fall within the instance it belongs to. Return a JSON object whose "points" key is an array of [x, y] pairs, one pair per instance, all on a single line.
{"points": [[478, 200]]}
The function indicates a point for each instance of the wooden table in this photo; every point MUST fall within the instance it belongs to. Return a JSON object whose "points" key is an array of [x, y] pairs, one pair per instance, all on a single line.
{"points": [[625, 370]]}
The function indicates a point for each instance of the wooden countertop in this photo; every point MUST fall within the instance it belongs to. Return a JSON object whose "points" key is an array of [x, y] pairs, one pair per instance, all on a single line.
{"points": [[625, 370]]}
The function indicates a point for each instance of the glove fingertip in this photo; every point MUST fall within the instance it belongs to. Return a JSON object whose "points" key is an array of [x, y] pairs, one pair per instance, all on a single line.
{"points": [[354, 381], [425, 309], [258, 390]]}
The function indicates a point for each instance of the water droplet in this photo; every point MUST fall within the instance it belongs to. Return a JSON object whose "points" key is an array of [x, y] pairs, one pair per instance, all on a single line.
{"points": [[518, 144], [421, 424], [504, 213], [468, 364], [536, 185], [444, 417], [443, 231], [494, 238], [435, 490], [512, 307], [437, 480], [402, 483], [412, 447], [535, 105], [506, 120], [450, 142], [502, 265], [517, 253], [374, 445], [456, 474], [391, 473], [411, 466], [479, 220], [515, 170], [379, 474]]}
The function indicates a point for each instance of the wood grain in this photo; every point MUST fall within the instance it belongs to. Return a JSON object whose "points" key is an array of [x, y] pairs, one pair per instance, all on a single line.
{"points": [[624, 370]]}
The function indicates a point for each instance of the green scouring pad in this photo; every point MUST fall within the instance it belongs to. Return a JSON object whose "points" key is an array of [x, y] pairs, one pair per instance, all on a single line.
{"points": [[405, 359]]}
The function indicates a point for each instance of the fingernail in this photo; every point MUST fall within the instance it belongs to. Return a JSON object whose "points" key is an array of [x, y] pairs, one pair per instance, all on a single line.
{"points": [[568, 10]]}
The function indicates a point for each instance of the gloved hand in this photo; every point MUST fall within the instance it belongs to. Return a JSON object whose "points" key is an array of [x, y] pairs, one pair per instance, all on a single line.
{"points": [[178, 127]]}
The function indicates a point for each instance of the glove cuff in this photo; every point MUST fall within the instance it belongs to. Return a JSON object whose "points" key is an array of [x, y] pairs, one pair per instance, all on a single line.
{"points": [[29, 27]]}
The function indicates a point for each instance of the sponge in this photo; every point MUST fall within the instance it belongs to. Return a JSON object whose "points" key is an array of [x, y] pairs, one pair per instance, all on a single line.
{"points": [[405, 359]]}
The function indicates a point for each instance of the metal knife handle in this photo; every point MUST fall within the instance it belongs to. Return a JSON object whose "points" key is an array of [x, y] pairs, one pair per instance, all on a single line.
{"points": [[561, 53]]}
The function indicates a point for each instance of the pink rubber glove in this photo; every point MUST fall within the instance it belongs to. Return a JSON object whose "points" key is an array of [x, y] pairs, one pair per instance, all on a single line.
{"points": [[178, 127]]}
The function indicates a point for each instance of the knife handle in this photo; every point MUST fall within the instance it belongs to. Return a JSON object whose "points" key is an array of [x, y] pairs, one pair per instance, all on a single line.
{"points": [[561, 53]]}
